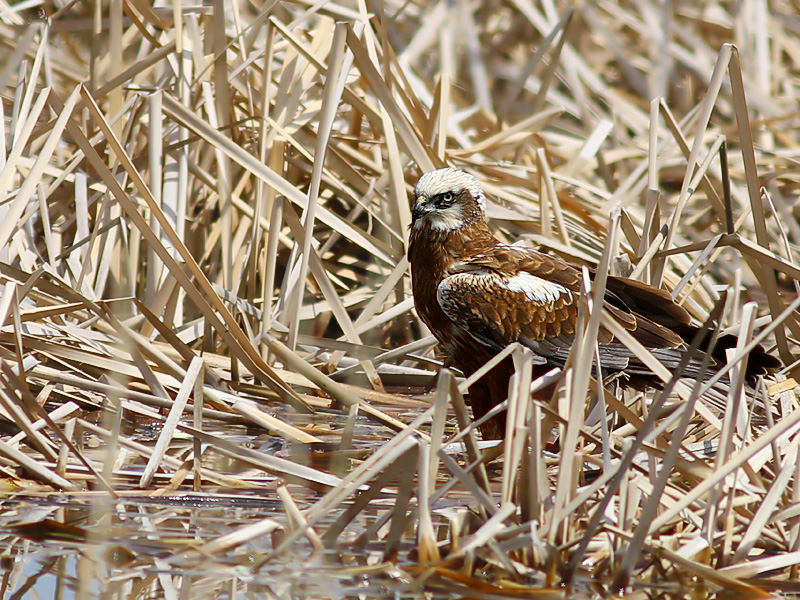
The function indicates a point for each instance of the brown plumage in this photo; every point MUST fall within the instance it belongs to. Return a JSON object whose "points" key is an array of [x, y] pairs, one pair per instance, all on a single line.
{"points": [[477, 296]]}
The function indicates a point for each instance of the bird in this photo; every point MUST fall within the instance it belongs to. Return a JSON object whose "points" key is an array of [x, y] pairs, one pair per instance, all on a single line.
{"points": [[478, 295]]}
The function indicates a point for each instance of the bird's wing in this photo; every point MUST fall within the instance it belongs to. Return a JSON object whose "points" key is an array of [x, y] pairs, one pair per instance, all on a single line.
{"points": [[509, 296], [515, 294]]}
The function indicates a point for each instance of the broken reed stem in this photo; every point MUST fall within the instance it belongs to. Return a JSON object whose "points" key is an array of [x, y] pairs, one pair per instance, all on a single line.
{"points": [[149, 218]]}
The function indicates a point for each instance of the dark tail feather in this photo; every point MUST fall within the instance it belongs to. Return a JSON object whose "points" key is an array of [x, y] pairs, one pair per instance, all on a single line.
{"points": [[758, 362]]}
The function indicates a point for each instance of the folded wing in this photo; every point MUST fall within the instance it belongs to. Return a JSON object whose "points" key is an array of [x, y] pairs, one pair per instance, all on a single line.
{"points": [[519, 295]]}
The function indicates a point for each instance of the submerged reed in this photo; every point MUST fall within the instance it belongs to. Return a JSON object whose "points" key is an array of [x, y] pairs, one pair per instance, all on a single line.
{"points": [[203, 218]]}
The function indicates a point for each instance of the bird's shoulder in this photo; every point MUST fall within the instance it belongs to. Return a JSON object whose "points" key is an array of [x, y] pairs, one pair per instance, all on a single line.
{"points": [[504, 262], [527, 294], [507, 294]]}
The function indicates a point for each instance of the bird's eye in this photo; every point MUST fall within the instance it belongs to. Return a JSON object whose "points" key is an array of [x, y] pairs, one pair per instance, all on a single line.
{"points": [[447, 197]]}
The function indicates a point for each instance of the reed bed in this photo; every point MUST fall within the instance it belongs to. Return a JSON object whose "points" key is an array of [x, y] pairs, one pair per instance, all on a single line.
{"points": [[205, 296]]}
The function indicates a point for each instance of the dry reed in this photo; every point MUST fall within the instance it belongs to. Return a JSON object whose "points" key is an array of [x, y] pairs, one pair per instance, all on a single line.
{"points": [[203, 219]]}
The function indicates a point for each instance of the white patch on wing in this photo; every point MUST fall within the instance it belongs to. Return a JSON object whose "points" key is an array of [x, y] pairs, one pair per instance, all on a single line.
{"points": [[523, 245], [451, 290], [535, 288]]}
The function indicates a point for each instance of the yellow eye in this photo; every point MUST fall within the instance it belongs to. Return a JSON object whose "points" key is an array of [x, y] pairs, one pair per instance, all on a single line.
{"points": [[447, 197]]}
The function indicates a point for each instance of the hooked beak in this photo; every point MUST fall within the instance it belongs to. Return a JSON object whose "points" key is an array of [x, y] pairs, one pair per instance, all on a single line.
{"points": [[420, 208]]}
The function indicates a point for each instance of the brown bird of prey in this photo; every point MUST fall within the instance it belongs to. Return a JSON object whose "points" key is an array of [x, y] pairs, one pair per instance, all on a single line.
{"points": [[478, 295]]}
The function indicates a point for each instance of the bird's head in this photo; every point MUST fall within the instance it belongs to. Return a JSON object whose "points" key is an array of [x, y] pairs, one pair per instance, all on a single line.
{"points": [[447, 199]]}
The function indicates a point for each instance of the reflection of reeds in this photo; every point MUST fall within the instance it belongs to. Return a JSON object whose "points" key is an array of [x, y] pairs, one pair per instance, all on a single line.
{"points": [[206, 224]]}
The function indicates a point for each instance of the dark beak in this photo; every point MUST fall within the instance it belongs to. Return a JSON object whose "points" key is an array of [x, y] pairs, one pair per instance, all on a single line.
{"points": [[420, 208]]}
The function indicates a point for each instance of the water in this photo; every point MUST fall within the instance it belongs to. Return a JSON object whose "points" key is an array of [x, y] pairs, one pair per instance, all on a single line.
{"points": [[163, 543]]}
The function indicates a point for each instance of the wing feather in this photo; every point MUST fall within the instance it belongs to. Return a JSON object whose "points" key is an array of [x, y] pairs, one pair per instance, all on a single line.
{"points": [[514, 294], [497, 309]]}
